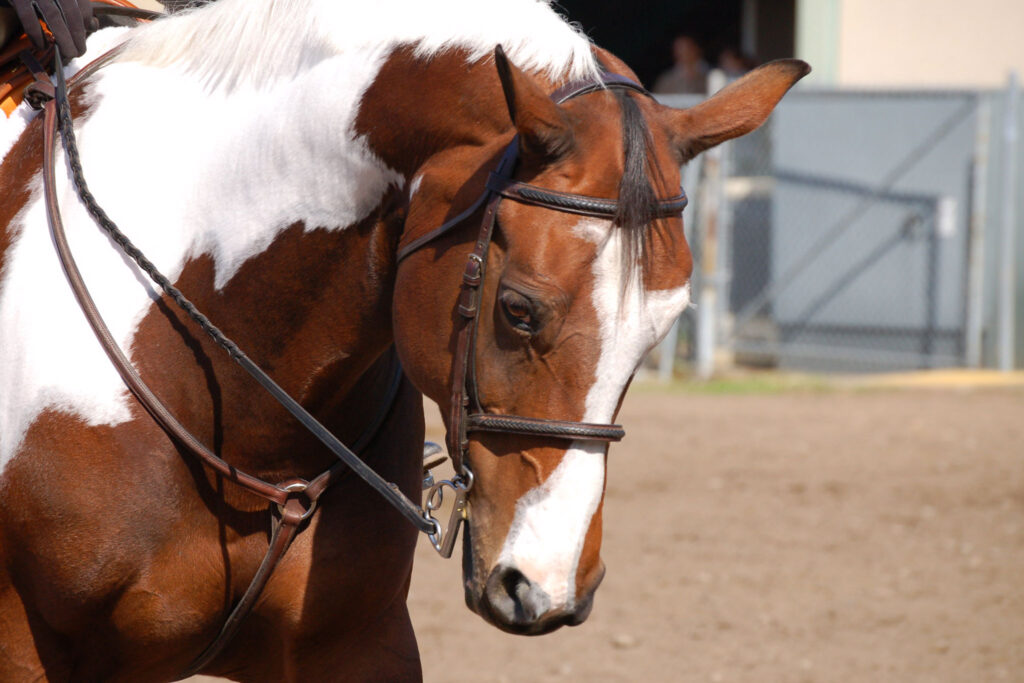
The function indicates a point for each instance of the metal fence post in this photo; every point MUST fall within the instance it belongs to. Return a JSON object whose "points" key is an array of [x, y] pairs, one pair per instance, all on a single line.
{"points": [[691, 174], [667, 359], [1008, 252], [976, 235], [707, 301]]}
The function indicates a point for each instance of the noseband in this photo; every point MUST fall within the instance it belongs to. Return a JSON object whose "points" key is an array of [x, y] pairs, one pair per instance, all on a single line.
{"points": [[501, 185]]}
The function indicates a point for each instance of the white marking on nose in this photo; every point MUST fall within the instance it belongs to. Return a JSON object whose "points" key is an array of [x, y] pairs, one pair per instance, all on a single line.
{"points": [[551, 521], [549, 528]]}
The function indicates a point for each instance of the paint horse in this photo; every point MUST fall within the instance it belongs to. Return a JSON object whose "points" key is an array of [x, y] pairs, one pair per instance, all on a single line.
{"points": [[295, 197]]}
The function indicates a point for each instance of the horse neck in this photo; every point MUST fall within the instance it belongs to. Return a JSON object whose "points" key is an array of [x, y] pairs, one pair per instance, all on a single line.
{"points": [[292, 191], [275, 223]]}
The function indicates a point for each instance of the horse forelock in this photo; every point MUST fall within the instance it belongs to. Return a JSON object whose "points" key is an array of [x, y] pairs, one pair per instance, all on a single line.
{"points": [[638, 200], [632, 316]]}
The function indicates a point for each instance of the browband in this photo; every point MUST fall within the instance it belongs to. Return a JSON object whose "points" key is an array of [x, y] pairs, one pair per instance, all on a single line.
{"points": [[574, 203], [608, 81], [502, 183]]}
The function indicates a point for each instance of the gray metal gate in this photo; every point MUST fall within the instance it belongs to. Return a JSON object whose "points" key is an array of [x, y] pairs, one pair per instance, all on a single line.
{"points": [[848, 233]]}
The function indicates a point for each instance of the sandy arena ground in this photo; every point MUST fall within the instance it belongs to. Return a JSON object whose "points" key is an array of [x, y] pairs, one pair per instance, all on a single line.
{"points": [[833, 536], [819, 536]]}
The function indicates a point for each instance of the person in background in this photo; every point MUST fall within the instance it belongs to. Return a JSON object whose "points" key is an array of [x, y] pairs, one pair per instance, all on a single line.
{"points": [[689, 72], [734, 63]]}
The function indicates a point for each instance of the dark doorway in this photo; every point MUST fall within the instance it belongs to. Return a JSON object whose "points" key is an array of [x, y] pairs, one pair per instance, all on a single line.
{"points": [[641, 32]]}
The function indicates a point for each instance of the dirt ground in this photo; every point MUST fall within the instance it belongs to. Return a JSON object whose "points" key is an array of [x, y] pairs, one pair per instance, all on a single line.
{"points": [[832, 536], [808, 536]]}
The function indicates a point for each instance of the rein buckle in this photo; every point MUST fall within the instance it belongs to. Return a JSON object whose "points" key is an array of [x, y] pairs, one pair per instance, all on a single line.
{"points": [[443, 540]]}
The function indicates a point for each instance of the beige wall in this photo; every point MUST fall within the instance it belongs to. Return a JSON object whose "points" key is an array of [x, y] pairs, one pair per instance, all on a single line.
{"points": [[929, 42]]}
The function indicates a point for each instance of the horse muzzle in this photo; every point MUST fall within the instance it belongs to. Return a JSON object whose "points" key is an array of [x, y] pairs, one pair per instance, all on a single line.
{"points": [[512, 602]]}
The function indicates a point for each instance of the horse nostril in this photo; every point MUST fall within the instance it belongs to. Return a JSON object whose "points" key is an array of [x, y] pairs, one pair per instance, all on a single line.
{"points": [[514, 598], [514, 582]]}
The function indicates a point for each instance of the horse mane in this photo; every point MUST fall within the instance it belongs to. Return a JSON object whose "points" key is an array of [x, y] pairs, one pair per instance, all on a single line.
{"points": [[252, 43], [236, 43]]}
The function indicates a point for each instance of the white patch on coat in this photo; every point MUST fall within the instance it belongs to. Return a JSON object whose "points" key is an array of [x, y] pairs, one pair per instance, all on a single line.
{"points": [[12, 128], [547, 535], [190, 164], [257, 164]]}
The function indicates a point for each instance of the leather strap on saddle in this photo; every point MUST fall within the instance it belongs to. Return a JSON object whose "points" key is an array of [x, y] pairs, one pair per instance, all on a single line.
{"points": [[21, 62]]}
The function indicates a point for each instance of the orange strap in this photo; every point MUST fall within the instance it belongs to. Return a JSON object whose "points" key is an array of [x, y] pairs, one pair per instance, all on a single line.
{"points": [[16, 72]]}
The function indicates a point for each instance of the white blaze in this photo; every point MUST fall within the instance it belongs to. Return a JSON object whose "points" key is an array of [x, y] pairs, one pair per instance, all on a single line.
{"points": [[547, 534]]}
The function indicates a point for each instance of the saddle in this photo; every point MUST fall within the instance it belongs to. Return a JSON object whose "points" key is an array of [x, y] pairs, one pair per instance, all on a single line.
{"points": [[22, 63]]}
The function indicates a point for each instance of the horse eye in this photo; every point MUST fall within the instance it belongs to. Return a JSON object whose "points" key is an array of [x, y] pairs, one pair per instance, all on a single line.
{"points": [[518, 311]]}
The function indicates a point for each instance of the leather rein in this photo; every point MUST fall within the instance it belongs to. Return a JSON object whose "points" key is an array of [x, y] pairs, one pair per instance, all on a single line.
{"points": [[294, 501]]}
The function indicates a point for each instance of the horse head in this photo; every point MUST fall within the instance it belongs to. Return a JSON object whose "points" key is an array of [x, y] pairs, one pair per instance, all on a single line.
{"points": [[569, 306]]}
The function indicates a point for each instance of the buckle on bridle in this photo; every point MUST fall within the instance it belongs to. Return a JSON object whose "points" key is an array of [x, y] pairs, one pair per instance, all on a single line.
{"points": [[474, 270], [37, 94], [443, 540]]}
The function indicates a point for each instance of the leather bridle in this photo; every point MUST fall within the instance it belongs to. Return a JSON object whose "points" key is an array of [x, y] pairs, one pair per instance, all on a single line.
{"points": [[466, 413], [294, 501]]}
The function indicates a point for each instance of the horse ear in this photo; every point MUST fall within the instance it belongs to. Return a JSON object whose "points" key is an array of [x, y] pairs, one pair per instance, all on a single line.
{"points": [[543, 127], [736, 109]]}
